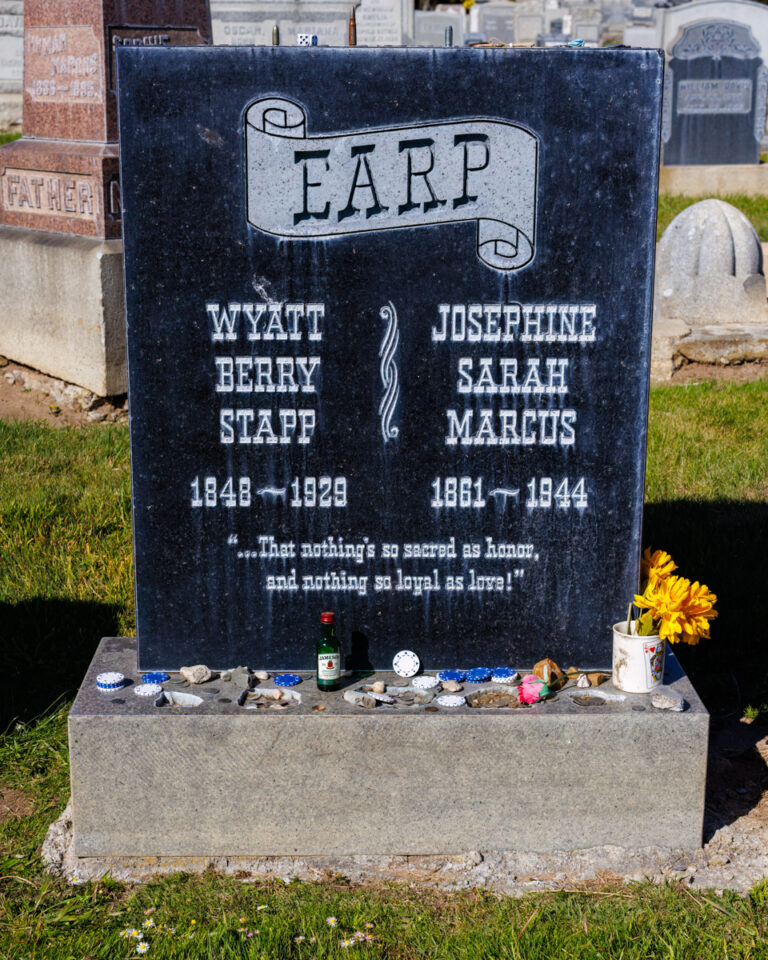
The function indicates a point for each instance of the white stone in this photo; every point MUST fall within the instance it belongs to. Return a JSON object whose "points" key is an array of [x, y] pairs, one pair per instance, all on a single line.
{"points": [[709, 268], [197, 674]]}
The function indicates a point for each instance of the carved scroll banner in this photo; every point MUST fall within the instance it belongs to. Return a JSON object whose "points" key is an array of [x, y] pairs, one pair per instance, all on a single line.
{"points": [[387, 179]]}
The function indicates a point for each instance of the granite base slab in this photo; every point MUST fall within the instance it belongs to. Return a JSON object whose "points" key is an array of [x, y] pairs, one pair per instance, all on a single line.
{"points": [[219, 780], [713, 180], [63, 307]]}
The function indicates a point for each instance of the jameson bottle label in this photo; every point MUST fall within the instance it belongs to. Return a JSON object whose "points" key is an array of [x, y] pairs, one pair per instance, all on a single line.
{"points": [[329, 666]]}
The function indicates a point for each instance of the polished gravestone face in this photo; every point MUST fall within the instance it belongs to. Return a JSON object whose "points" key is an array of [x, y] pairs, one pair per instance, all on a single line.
{"points": [[389, 331], [714, 96]]}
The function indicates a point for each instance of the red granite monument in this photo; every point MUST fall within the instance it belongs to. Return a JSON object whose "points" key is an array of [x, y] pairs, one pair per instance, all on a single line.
{"points": [[62, 177]]}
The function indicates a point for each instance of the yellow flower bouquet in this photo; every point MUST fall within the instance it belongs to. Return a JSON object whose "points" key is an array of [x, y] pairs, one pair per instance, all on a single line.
{"points": [[672, 607]]}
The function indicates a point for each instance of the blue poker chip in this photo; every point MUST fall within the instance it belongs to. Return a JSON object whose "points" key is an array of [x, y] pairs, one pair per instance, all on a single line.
{"points": [[478, 675], [155, 676], [502, 674], [458, 676], [287, 679], [109, 681]]}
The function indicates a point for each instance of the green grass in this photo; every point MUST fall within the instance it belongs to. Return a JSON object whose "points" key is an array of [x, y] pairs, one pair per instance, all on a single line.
{"points": [[754, 208], [66, 580], [6, 136], [209, 916]]}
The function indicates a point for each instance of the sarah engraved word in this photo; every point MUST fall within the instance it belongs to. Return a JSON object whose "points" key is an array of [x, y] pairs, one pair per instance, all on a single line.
{"points": [[388, 370], [482, 170]]}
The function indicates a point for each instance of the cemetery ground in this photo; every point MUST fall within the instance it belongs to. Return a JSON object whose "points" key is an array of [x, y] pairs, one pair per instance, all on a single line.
{"points": [[66, 580]]}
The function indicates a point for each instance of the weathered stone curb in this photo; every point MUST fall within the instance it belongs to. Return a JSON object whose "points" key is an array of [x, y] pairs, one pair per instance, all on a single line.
{"points": [[735, 858]]}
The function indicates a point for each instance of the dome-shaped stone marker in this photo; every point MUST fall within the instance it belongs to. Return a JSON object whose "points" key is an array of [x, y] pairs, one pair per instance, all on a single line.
{"points": [[709, 268]]}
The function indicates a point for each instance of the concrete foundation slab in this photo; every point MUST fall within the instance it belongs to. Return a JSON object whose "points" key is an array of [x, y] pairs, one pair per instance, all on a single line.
{"points": [[218, 780], [63, 309], [714, 181]]}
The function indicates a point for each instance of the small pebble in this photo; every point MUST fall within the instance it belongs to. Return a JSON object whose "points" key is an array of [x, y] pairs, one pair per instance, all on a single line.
{"points": [[275, 694], [379, 687], [583, 680], [451, 686], [261, 674], [318, 707], [662, 702]]}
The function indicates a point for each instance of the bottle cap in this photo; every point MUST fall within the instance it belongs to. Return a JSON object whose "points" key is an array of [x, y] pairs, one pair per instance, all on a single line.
{"points": [[327, 617]]}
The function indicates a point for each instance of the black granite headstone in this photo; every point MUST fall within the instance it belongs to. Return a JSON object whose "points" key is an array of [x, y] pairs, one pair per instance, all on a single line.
{"points": [[714, 96], [389, 331]]}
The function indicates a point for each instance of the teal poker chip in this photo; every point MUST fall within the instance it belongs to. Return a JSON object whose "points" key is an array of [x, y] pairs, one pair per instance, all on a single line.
{"points": [[458, 676], [155, 676], [478, 674], [287, 679]]}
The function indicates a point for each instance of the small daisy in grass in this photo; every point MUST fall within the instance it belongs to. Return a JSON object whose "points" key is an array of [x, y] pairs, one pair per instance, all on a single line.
{"points": [[347, 943], [243, 920], [150, 911], [242, 930], [262, 907], [369, 925], [142, 947], [331, 921], [133, 933], [299, 939], [192, 923], [148, 923]]}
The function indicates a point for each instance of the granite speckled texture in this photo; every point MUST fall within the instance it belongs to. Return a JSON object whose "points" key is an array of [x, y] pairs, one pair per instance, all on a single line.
{"points": [[222, 781]]}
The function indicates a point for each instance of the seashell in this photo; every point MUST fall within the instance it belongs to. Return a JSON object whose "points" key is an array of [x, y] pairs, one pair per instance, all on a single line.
{"points": [[451, 686], [178, 699], [197, 674], [662, 702], [381, 697], [379, 686], [583, 680], [261, 674]]}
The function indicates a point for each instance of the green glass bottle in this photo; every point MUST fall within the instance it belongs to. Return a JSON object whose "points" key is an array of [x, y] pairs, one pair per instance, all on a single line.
{"points": [[328, 654]]}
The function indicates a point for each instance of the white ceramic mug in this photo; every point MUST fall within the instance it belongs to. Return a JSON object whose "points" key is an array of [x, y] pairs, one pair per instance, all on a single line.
{"points": [[638, 662]]}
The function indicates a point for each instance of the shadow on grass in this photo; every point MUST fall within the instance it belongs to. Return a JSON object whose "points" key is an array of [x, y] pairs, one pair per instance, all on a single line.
{"points": [[725, 545], [45, 648]]}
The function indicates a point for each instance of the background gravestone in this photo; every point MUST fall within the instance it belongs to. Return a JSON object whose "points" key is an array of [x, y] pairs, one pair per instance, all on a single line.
{"points": [[429, 27], [250, 22], [715, 96], [63, 297], [672, 21], [378, 366], [11, 59]]}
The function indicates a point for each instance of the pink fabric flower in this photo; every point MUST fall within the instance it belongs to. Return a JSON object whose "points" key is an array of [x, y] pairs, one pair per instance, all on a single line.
{"points": [[530, 689]]}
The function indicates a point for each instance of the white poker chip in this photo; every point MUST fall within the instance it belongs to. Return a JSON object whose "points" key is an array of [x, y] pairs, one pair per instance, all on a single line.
{"points": [[147, 689], [505, 675], [110, 681], [450, 700], [406, 663], [424, 683]]}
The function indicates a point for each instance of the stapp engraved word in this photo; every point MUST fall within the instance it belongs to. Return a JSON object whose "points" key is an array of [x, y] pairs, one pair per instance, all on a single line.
{"points": [[386, 179]]}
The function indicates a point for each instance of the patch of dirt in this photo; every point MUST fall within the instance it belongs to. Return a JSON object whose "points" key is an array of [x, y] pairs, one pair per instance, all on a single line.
{"points": [[14, 804], [26, 394], [732, 373]]}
